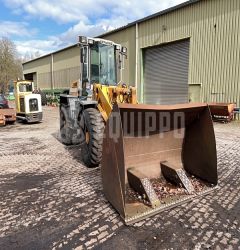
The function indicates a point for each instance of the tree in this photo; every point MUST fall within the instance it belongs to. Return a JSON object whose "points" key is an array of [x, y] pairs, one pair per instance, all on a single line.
{"points": [[10, 64], [31, 55]]}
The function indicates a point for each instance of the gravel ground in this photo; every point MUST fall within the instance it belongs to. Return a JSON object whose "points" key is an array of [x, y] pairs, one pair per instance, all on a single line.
{"points": [[50, 200]]}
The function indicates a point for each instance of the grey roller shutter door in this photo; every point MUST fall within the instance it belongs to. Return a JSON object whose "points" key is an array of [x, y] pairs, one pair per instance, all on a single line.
{"points": [[166, 73]]}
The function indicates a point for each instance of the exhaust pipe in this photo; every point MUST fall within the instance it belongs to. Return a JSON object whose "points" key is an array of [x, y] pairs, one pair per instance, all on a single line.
{"points": [[156, 157]]}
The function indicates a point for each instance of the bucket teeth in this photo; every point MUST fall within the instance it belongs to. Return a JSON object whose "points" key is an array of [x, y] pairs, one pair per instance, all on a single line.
{"points": [[176, 175], [143, 186], [185, 181]]}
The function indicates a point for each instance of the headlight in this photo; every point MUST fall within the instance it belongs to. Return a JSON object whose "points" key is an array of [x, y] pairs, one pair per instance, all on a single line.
{"points": [[90, 41], [124, 50], [118, 47], [83, 39]]}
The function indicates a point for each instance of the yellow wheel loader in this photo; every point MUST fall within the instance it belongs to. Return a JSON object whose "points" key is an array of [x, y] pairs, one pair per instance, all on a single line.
{"points": [[153, 157], [83, 114], [28, 105]]}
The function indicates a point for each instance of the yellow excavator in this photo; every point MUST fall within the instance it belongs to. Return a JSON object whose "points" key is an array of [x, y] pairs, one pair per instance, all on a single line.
{"points": [[152, 157]]}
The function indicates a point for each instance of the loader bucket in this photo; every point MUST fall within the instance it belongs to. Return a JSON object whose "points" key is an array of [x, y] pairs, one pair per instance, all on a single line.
{"points": [[156, 157]]}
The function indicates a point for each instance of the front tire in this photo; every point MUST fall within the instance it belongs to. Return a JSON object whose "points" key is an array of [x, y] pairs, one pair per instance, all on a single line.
{"points": [[93, 131]]}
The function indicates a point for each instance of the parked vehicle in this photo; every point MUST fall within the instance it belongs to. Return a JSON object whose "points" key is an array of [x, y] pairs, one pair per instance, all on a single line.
{"points": [[7, 115], [138, 145], [28, 105], [3, 102]]}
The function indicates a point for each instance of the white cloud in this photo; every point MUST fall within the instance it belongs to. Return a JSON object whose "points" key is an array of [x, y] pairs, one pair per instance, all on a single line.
{"points": [[58, 10], [90, 18], [89, 11], [31, 47], [103, 26], [42, 47], [65, 39], [8, 28]]}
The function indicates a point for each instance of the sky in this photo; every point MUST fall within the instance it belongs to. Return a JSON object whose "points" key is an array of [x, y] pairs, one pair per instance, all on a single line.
{"points": [[44, 26]]}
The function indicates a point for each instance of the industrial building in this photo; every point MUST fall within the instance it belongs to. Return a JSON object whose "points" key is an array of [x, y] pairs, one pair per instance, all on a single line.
{"points": [[190, 52]]}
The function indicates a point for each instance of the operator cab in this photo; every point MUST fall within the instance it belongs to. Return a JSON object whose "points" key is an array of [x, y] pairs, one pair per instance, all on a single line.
{"points": [[25, 87], [102, 62]]}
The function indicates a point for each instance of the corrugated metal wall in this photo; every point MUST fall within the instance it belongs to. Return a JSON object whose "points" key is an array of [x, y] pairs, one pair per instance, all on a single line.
{"points": [[66, 69], [44, 80], [213, 28], [61, 77]]}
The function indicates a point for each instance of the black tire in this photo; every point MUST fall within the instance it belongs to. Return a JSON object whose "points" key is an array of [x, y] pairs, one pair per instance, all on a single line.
{"points": [[43, 98], [94, 127], [65, 131]]}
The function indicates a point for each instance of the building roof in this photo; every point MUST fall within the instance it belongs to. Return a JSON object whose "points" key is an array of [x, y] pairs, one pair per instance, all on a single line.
{"points": [[160, 13]]}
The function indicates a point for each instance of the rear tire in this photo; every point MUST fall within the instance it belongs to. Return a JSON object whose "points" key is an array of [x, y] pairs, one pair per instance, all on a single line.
{"points": [[93, 131], [65, 131]]}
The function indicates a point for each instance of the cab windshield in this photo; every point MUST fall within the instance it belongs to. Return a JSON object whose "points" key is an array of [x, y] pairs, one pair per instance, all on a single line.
{"points": [[23, 87], [103, 64]]}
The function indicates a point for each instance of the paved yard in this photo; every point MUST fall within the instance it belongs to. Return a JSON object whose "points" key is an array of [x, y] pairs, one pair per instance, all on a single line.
{"points": [[50, 200]]}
